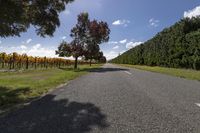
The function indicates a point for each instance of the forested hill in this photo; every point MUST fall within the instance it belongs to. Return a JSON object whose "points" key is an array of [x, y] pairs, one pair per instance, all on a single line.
{"points": [[177, 46]]}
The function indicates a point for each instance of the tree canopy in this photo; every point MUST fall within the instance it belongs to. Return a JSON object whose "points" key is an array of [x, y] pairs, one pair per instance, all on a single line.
{"points": [[16, 16], [87, 36], [177, 46]]}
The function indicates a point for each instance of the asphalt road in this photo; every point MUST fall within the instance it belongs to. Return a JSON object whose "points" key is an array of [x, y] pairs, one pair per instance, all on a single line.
{"points": [[113, 100]]}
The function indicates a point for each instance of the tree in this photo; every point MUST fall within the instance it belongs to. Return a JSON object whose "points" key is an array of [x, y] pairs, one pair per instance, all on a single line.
{"points": [[76, 47], [98, 32], [101, 58], [16, 16], [86, 35], [91, 52], [79, 32], [3, 58], [90, 34], [70, 49], [79, 35]]}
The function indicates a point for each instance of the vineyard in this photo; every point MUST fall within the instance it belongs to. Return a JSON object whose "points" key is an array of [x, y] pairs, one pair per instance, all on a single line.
{"points": [[17, 61]]}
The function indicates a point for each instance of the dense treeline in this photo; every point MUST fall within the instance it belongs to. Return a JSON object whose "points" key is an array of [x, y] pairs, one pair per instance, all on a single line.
{"points": [[177, 46], [17, 61]]}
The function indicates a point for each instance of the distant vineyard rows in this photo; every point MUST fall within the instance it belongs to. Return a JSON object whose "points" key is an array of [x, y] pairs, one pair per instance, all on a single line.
{"points": [[18, 61]]}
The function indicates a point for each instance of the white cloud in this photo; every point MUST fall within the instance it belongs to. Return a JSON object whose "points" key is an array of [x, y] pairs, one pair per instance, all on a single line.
{"points": [[42, 52], [192, 13], [116, 47], [37, 50], [153, 22], [117, 22], [23, 47], [113, 54], [64, 37], [121, 22], [66, 12], [37, 46], [122, 52], [0, 41], [28, 40], [110, 55], [132, 44], [123, 41], [113, 42]]}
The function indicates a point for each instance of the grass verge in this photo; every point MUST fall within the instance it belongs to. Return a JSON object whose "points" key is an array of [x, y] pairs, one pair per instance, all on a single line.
{"points": [[183, 73], [20, 87]]}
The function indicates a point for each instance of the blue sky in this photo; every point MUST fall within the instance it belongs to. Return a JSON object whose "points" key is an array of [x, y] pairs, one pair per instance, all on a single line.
{"points": [[131, 22]]}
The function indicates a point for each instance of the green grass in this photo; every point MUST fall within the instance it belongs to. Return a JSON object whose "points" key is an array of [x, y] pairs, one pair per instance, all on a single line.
{"points": [[183, 73], [20, 87]]}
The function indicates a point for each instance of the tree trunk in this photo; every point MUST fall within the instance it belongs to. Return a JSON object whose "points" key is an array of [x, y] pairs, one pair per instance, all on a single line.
{"points": [[76, 63], [194, 64], [10, 63], [13, 64], [3, 64], [20, 63], [90, 62], [35, 62], [59, 64], [27, 63]]}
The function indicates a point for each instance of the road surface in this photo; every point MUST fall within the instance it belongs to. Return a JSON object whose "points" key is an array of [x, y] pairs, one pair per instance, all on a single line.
{"points": [[113, 100]]}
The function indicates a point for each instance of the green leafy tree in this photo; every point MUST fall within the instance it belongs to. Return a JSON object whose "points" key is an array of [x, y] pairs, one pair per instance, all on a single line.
{"points": [[16, 16]]}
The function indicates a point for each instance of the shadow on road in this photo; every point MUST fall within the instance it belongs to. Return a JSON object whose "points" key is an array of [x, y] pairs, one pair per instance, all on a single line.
{"points": [[57, 116], [103, 70]]}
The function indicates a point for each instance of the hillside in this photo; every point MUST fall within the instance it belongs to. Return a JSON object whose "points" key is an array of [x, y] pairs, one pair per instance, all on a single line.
{"points": [[177, 46]]}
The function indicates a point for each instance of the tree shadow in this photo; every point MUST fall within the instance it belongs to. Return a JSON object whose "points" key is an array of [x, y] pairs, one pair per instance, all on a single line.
{"points": [[78, 69], [104, 69], [98, 70], [9, 96], [51, 115]]}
